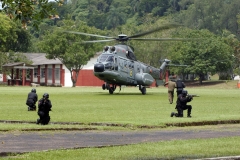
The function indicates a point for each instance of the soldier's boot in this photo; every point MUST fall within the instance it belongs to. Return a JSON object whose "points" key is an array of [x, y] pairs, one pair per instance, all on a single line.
{"points": [[34, 108], [189, 112], [31, 108], [38, 121], [173, 114]]}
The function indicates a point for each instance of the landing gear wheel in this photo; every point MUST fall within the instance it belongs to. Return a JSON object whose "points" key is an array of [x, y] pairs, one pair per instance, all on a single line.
{"points": [[143, 90], [103, 86], [107, 86], [111, 90]]}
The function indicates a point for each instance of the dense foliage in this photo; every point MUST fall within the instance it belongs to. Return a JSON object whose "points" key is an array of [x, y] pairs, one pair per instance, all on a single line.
{"points": [[209, 54], [29, 11], [131, 17]]}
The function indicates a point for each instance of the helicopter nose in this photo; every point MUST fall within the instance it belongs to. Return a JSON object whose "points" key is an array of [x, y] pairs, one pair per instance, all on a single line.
{"points": [[98, 67]]}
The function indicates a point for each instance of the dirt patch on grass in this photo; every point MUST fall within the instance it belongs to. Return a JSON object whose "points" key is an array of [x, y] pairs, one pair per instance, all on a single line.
{"points": [[91, 125]]}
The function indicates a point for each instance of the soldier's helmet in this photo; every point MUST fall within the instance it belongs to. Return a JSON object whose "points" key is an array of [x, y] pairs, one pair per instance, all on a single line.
{"points": [[45, 95], [184, 92], [33, 90]]}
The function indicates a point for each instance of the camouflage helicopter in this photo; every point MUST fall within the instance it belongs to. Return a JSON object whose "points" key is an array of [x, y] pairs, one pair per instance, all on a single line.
{"points": [[118, 66]]}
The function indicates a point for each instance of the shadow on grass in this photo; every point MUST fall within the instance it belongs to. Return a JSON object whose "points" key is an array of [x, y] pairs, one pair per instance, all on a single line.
{"points": [[204, 83], [219, 84]]}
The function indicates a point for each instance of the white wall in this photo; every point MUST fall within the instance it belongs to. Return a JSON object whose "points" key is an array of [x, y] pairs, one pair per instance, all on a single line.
{"points": [[67, 77]]}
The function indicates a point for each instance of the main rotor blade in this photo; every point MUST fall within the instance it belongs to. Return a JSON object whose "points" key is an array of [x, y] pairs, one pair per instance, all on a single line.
{"points": [[162, 39], [87, 34], [99, 41], [164, 27]]}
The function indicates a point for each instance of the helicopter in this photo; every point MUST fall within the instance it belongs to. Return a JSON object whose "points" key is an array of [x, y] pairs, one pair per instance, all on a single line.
{"points": [[118, 66]]}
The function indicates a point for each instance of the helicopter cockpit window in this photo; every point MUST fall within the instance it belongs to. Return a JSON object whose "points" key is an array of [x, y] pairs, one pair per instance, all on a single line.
{"points": [[110, 59], [131, 56], [102, 58]]}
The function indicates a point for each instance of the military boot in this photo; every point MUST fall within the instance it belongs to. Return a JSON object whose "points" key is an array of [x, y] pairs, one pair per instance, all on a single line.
{"points": [[189, 115], [38, 121], [173, 114]]}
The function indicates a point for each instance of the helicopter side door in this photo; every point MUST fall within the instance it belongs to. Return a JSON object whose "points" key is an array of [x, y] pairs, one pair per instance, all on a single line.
{"points": [[131, 72], [127, 70]]}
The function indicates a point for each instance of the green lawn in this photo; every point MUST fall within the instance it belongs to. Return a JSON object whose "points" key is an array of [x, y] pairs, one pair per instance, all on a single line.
{"points": [[93, 105]]}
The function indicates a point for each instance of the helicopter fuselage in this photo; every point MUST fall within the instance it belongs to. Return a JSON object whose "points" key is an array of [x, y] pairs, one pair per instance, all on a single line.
{"points": [[117, 65]]}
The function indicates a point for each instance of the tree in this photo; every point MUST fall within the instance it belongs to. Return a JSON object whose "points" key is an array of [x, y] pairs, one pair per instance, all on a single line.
{"points": [[23, 41], [68, 47], [12, 36], [211, 15], [208, 54], [6, 34], [29, 10], [232, 41]]}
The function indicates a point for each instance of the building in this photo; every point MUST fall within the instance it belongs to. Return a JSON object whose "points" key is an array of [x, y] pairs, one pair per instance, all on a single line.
{"points": [[47, 72]]}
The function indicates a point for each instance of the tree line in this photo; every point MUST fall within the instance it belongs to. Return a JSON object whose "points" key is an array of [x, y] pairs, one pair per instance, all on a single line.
{"points": [[40, 29]]}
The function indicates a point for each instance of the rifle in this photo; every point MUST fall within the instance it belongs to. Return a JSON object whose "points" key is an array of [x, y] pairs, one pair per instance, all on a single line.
{"points": [[193, 95]]}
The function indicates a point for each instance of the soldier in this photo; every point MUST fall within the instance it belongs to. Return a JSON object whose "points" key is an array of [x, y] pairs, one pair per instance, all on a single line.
{"points": [[31, 100], [182, 101], [171, 86], [179, 85], [44, 106]]}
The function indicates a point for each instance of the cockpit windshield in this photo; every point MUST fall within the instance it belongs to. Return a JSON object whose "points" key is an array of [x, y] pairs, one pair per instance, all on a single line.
{"points": [[110, 59], [106, 58]]}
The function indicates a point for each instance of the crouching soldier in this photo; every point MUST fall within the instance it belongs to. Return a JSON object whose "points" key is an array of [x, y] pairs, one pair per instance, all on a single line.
{"points": [[44, 106], [182, 101], [31, 100]]}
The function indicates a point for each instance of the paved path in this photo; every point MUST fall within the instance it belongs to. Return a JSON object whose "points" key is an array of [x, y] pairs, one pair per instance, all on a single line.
{"points": [[39, 141]]}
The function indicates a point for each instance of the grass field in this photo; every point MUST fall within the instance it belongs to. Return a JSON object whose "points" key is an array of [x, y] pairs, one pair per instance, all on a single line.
{"points": [[129, 107], [94, 105]]}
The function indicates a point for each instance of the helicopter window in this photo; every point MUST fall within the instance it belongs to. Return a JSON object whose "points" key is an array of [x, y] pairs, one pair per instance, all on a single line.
{"points": [[129, 64], [110, 59], [125, 64], [132, 65], [103, 58]]}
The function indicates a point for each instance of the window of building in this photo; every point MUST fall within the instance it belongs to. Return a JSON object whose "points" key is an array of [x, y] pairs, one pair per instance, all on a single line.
{"points": [[35, 72], [42, 72], [28, 74], [57, 73], [49, 73]]}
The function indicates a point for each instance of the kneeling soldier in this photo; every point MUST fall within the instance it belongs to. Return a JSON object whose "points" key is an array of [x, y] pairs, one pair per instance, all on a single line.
{"points": [[182, 101], [44, 106]]}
